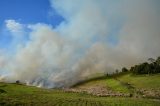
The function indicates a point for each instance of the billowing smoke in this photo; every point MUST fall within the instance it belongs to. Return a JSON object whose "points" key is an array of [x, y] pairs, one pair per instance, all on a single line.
{"points": [[97, 36]]}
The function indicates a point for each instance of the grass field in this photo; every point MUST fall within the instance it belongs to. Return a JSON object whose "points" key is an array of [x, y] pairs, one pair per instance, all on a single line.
{"points": [[21, 95], [117, 82], [142, 81]]}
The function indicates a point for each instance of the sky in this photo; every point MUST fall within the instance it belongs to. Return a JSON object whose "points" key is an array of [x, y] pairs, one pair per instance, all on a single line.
{"points": [[26, 11], [56, 43], [29, 11]]}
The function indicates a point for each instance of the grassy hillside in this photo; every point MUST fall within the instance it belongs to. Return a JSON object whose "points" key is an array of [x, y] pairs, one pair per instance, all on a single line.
{"points": [[139, 81], [126, 83], [21, 95], [142, 81]]}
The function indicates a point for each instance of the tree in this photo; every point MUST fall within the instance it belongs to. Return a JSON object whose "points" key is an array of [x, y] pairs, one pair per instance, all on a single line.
{"points": [[124, 69], [17, 82], [158, 61], [151, 60], [132, 69], [117, 71]]}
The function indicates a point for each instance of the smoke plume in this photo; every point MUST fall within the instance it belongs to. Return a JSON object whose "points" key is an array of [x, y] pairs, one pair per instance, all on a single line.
{"points": [[97, 36]]}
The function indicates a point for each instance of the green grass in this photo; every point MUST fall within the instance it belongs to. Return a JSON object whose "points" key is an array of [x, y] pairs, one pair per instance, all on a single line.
{"points": [[21, 95], [116, 83], [117, 86], [142, 81], [110, 83]]}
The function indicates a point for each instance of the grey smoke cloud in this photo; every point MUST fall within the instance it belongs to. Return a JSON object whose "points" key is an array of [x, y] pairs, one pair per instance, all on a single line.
{"points": [[79, 46]]}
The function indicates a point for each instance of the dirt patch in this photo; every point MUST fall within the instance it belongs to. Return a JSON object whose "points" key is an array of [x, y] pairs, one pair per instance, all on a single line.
{"points": [[149, 93], [98, 90]]}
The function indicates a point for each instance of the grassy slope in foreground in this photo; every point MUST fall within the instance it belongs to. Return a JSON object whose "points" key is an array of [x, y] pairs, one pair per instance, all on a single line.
{"points": [[15, 95]]}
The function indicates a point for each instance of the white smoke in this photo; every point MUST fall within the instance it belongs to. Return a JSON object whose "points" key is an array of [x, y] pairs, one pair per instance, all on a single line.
{"points": [[79, 46]]}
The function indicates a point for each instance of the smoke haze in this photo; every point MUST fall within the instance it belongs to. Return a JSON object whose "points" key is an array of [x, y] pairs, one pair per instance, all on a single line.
{"points": [[95, 37]]}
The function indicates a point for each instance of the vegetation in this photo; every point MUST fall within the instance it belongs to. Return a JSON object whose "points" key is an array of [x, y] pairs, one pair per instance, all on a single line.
{"points": [[142, 81], [152, 67], [125, 82], [21, 95], [124, 69]]}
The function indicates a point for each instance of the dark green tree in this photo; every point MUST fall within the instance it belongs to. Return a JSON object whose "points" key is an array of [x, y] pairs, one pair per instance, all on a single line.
{"points": [[117, 71], [151, 60], [124, 69], [158, 61]]}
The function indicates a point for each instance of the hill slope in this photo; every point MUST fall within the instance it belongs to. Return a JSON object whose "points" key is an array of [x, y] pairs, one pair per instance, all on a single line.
{"points": [[18, 95], [126, 83]]}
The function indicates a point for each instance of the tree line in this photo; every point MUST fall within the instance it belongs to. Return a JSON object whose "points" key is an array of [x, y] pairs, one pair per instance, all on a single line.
{"points": [[151, 67]]}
